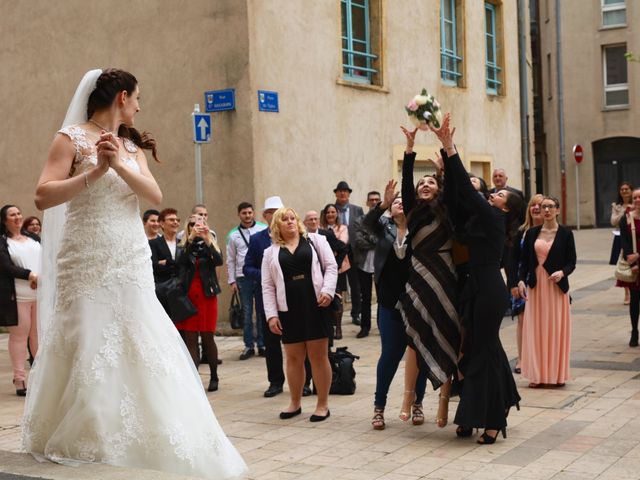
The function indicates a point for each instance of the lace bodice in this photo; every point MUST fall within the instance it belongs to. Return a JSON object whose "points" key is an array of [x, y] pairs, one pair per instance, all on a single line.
{"points": [[103, 241]]}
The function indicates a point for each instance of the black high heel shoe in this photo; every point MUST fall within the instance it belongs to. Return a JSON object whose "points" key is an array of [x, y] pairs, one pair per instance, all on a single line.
{"points": [[506, 412], [21, 392], [213, 385], [486, 439]]}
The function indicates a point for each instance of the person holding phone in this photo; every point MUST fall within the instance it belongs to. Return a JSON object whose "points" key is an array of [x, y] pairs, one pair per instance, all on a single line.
{"points": [[197, 267]]}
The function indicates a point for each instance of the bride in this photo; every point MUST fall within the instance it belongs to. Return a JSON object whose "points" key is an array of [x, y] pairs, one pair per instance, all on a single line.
{"points": [[112, 382]]}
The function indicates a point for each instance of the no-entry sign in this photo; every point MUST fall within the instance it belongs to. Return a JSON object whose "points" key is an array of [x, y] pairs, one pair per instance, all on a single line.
{"points": [[578, 153]]}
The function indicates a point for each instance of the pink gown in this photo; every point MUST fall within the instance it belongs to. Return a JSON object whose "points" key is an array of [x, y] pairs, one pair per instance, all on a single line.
{"points": [[546, 330]]}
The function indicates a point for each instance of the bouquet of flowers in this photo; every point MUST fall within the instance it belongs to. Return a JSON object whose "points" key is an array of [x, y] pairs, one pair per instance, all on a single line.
{"points": [[424, 110]]}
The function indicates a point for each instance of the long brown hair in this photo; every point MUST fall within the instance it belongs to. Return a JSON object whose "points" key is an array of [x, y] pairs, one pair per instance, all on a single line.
{"points": [[111, 82]]}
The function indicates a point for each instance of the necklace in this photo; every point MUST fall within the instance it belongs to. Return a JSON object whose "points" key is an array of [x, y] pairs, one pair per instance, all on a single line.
{"points": [[91, 120]]}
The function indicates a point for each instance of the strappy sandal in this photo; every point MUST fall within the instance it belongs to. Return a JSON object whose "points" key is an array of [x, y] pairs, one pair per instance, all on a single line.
{"points": [[417, 415], [378, 419], [407, 401], [442, 418]]}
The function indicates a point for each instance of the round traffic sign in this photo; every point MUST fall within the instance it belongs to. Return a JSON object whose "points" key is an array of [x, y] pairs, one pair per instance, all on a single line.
{"points": [[578, 153]]}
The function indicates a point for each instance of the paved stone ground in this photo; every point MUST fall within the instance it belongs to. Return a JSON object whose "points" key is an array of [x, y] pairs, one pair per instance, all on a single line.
{"points": [[586, 430]]}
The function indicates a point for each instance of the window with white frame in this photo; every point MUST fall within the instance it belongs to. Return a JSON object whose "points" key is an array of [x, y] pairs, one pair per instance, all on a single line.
{"points": [[616, 86], [492, 39], [359, 59], [614, 13], [450, 43]]}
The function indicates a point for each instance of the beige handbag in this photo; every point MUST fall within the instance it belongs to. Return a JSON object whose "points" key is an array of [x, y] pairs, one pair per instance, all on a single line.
{"points": [[623, 268]]}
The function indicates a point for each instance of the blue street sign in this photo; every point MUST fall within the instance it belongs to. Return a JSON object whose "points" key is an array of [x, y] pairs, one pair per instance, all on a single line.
{"points": [[201, 127], [267, 101], [220, 100]]}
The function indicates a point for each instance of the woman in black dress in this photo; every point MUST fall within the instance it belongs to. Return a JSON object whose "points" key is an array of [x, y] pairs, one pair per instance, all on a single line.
{"points": [[488, 390], [299, 275]]}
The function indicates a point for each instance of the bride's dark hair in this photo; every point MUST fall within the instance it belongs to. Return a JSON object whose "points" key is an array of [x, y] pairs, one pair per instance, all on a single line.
{"points": [[111, 82]]}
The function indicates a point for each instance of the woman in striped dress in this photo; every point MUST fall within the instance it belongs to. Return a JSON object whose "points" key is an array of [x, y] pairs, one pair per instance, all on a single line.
{"points": [[429, 306]]}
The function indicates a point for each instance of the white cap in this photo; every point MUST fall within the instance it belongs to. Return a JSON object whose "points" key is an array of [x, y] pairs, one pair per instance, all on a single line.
{"points": [[272, 203]]}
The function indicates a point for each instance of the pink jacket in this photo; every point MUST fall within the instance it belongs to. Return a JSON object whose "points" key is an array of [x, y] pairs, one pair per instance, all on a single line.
{"points": [[273, 291]]}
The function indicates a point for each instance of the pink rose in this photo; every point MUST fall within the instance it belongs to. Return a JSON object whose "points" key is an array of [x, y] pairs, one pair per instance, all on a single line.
{"points": [[413, 106]]}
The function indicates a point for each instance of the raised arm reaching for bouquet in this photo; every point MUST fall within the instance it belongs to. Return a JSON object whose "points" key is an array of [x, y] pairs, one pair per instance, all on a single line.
{"points": [[488, 391]]}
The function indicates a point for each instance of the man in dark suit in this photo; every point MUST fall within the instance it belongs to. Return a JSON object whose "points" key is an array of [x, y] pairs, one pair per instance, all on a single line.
{"points": [[348, 215], [165, 251], [340, 249], [252, 269]]}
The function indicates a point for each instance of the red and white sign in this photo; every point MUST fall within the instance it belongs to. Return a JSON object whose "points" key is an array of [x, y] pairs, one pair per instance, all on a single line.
{"points": [[578, 153]]}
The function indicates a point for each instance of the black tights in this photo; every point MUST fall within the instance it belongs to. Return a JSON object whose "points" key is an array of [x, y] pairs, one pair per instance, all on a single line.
{"points": [[634, 308], [209, 348]]}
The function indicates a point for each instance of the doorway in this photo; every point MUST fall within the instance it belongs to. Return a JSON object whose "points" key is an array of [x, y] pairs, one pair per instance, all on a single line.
{"points": [[616, 160]]}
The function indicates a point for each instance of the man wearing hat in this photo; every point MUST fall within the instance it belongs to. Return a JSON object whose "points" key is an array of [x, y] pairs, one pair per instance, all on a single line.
{"points": [[348, 215], [258, 243]]}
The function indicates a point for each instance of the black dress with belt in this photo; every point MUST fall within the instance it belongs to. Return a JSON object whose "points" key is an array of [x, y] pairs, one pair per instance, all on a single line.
{"points": [[304, 320], [488, 389]]}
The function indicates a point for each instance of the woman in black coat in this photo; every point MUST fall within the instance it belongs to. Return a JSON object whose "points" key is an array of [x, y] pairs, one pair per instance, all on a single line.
{"points": [[548, 258], [197, 266], [631, 255], [19, 255], [488, 390]]}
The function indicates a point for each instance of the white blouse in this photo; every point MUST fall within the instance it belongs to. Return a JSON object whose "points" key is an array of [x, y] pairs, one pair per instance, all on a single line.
{"points": [[25, 254]]}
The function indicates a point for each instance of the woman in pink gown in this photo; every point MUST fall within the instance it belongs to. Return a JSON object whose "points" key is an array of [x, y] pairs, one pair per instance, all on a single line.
{"points": [[548, 257]]}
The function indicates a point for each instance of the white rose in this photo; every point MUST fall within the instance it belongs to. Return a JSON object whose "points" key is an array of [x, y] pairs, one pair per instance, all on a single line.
{"points": [[426, 116], [420, 99], [438, 115], [436, 104]]}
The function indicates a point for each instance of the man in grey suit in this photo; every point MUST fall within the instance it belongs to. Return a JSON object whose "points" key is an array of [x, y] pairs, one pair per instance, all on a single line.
{"points": [[348, 215]]}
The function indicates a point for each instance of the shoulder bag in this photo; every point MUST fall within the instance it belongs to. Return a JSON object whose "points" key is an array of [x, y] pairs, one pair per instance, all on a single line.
{"points": [[236, 314], [623, 270], [336, 302]]}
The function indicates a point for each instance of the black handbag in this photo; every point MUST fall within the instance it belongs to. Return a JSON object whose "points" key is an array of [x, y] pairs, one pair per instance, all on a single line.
{"points": [[171, 295], [343, 375], [336, 301], [343, 379], [236, 314]]}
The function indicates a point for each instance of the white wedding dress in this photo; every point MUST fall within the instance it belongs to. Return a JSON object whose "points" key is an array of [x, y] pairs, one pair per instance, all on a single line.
{"points": [[112, 381]]}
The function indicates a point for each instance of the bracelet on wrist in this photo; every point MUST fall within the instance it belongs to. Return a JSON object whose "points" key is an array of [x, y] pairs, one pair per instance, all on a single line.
{"points": [[86, 180]]}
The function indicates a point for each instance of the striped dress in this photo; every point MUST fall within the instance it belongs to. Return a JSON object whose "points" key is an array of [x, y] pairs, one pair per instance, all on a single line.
{"points": [[429, 306]]}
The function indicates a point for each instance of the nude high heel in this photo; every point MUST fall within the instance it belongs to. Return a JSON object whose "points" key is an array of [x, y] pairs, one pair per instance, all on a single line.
{"points": [[408, 400], [442, 417]]}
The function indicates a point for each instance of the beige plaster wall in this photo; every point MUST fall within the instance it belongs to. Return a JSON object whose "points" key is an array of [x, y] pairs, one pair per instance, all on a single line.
{"points": [[326, 131], [176, 49], [586, 120]]}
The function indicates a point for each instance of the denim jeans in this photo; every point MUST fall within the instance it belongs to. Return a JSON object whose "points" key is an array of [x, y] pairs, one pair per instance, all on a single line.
{"points": [[394, 344], [247, 289]]}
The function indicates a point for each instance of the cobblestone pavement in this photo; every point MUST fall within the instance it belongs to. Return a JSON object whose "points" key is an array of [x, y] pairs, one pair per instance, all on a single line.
{"points": [[586, 430]]}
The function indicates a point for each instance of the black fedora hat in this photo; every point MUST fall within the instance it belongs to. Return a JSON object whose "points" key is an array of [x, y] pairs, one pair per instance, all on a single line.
{"points": [[342, 185]]}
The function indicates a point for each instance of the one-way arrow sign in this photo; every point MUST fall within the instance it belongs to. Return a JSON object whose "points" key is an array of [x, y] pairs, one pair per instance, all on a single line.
{"points": [[201, 127]]}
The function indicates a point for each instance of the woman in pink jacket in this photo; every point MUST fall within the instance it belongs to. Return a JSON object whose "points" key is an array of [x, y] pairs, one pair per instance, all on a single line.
{"points": [[299, 275]]}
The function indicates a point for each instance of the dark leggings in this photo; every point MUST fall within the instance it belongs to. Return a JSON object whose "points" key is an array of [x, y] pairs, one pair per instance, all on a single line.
{"points": [[209, 347], [634, 308]]}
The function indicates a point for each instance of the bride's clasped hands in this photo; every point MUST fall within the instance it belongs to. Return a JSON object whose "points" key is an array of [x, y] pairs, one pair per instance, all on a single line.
{"points": [[108, 151]]}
